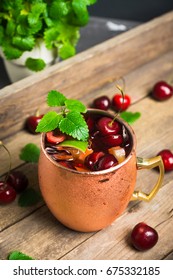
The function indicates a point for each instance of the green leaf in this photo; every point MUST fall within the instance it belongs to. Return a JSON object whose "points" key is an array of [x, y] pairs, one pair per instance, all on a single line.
{"points": [[50, 37], [74, 124], [130, 117], [66, 50], [10, 28], [49, 122], [17, 255], [29, 197], [35, 64], [1, 35], [10, 51], [58, 9], [81, 12], [75, 105], [30, 153], [24, 43], [55, 98], [80, 145]]}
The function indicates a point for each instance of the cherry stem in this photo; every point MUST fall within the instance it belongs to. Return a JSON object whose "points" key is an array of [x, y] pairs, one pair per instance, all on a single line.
{"points": [[8, 173], [121, 89], [37, 113]]}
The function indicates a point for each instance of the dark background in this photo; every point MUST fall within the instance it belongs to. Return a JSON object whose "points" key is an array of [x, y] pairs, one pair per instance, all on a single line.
{"points": [[134, 10]]}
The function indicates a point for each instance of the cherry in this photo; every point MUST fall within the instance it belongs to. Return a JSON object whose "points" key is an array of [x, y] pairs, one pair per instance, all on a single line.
{"points": [[167, 157], [143, 237], [102, 103], [107, 126], [162, 91], [90, 123], [112, 140], [92, 159], [17, 180], [55, 136], [7, 193], [106, 162], [32, 122], [119, 103]]}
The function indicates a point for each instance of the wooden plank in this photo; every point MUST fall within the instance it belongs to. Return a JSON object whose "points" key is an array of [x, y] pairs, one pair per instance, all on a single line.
{"points": [[13, 221], [95, 67], [12, 213], [150, 140], [47, 239]]}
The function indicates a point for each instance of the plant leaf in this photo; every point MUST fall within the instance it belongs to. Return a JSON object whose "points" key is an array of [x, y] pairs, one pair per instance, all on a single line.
{"points": [[66, 50], [24, 43], [49, 122], [17, 255], [29, 197], [55, 98], [130, 117], [35, 64], [30, 153], [75, 105], [74, 124]]}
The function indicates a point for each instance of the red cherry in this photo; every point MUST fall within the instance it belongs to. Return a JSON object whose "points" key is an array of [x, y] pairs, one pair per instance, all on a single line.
{"points": [[143, 237], [55, 137], [112, 140], [107, 127], [162, 91], [7, 193], [119, 103], [90, 123], [18, 181], [102, 103], [167, 157], [106, 162], [32, 122], [92, 159]]}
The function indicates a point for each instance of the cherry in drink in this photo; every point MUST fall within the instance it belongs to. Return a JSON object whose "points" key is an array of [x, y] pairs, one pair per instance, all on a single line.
{"points": [[108, 145]]}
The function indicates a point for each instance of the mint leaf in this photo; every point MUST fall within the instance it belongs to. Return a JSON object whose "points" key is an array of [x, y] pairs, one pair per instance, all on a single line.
{"points": [[74, 125], [130, 117], [30, 153], [17, 255], [58, 9], [75, 105], [24, 43], [29, 197], [49, 122], [35, 64], [66, 51], [50, 36], [10, 51], [55, 98]]}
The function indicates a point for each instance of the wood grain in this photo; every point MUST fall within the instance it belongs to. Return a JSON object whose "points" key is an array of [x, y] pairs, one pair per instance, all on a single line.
{"points": [[87, 71], [141, 59]]}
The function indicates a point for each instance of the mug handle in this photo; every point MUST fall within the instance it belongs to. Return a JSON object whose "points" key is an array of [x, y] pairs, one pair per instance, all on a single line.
{"points": [[144, 163]]}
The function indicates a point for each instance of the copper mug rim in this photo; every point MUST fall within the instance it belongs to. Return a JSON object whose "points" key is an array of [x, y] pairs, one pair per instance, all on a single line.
{"points": [[114, 168]]}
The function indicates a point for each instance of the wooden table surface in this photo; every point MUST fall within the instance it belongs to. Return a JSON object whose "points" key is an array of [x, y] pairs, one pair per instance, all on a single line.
{"points": [[141, 60]]}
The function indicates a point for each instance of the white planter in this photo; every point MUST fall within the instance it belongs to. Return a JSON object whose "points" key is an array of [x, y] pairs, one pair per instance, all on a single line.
{"points": [[16, 68]]}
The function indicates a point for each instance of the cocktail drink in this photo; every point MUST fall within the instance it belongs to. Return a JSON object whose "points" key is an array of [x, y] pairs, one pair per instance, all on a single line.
{"points": [[109, 143], [87, 185]]}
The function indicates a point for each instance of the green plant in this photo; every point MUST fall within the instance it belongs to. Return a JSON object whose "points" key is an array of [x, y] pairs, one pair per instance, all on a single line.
{"points": [[57, 22]]}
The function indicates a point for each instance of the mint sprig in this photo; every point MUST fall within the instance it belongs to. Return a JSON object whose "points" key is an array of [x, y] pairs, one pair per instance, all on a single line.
{"points": [[68, 120]]}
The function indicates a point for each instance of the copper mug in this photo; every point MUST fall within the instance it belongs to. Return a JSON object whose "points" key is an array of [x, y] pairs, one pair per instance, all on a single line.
{"points": [[90, 201]]}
